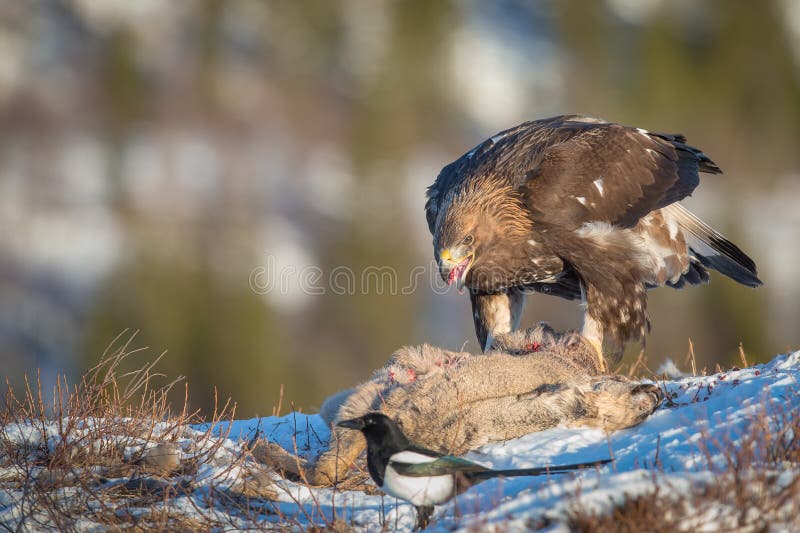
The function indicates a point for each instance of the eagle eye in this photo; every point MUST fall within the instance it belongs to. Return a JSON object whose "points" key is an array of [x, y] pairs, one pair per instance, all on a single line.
{"points": [[469, 239]]}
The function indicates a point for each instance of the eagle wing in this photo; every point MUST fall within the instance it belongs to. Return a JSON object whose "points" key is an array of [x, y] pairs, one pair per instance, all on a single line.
{"points": [[612, 173], [587, 196], [577, 169]]}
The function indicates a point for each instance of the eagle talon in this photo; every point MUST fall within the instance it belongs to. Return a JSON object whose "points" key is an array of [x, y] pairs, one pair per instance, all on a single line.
{"points": [[598, 348]]}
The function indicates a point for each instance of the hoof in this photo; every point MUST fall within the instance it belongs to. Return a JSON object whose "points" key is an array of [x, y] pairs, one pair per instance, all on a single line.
{"points": [[648, 397]]}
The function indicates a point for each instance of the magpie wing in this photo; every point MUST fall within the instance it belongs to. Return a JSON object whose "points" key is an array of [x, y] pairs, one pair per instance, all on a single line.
{"points": [[445, 465]]}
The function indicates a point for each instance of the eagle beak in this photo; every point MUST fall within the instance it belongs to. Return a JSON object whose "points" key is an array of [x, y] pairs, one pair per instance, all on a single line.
{"points": [[453, 269]]}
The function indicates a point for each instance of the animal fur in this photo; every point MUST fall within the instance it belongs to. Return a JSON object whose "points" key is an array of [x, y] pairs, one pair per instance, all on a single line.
{"points": [[453, 402]]}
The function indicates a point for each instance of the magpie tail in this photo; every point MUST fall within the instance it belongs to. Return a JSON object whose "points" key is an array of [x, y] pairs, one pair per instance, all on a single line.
{"points": [[538, 471]]}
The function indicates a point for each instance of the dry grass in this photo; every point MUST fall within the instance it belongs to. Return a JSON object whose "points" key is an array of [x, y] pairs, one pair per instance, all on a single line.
{"points": [[110, 452]]}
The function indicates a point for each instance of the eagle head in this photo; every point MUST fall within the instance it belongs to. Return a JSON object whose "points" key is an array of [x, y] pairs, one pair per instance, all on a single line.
{"points": [[475, 228], [462, 237]]}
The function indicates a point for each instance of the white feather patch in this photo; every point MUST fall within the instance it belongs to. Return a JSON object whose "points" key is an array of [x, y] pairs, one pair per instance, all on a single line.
{"points": [[606, 234], [595, 230], [432, 490], [672, 223], [598, 183], [412, 458]]}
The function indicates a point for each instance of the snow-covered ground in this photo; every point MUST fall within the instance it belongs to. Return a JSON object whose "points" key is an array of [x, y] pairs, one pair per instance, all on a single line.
{"points": [[701, 417], [686, 443]]}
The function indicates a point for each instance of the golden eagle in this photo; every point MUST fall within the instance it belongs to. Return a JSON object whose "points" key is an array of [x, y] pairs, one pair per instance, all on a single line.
{"points": [[576, 207]]}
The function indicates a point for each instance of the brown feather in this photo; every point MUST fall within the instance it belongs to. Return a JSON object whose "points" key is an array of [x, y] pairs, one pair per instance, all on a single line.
{"points": [[571, 201]]}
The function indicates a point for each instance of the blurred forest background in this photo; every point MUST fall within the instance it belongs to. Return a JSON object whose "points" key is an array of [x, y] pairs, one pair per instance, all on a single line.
{"points": [[155, 155]]}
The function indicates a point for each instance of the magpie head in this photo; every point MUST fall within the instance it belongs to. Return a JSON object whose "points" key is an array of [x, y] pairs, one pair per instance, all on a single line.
{"points": [[379, 430]]}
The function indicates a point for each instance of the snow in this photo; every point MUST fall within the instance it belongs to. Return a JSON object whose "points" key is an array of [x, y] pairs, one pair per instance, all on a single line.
{"points": [[702, 412], [679, 446], [670, 369]]}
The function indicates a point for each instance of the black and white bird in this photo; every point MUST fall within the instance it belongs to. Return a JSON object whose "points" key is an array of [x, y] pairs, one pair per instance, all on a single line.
{"points": [[422, 477]]}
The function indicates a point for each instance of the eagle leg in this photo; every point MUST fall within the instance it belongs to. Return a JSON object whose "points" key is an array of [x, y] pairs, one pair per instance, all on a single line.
{"points": [[592, 331], [496, 314]]}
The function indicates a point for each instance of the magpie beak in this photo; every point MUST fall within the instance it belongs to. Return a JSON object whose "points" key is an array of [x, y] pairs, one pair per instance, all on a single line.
{"points": [[422, 477], [353, 423]]}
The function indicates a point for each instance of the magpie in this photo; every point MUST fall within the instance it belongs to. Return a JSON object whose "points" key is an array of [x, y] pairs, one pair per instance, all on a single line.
{"points": [[422, 477]]}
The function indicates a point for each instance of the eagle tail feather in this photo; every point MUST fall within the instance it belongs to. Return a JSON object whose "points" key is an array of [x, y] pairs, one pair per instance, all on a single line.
{"points": [[714, 251], [732, 269], [696, 275]]}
